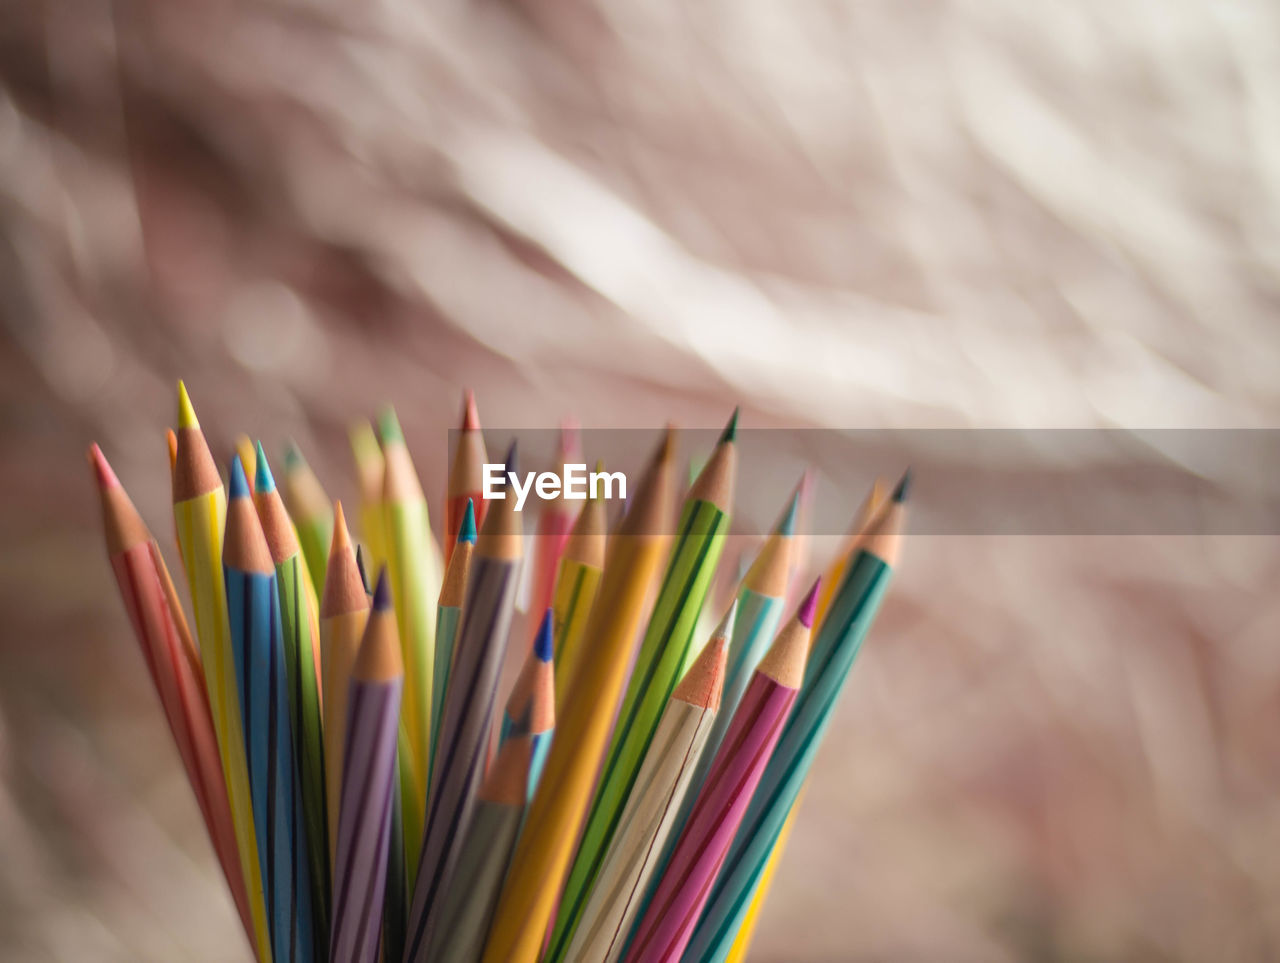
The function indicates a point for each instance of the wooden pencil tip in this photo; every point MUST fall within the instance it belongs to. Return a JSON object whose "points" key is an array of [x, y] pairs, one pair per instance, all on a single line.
{"points": [[809, 605], [703, 684], [467, 530], [389, 426], [903, 487], [731, 429], [264, 482], [238, 485], [102, 469], [341, 540], [382, 592], [379, 658], [186, 413], [364, 575], [293, 459], [470, 416], [667, 451], [544, 644], [725, 629]]}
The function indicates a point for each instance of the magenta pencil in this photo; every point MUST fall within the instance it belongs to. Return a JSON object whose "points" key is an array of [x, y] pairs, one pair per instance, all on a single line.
{"points": [[364, 820], [667, 925]]}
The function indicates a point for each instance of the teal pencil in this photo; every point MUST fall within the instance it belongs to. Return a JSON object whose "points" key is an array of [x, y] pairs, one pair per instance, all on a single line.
{"points": [[449, 615], [531, 708]]}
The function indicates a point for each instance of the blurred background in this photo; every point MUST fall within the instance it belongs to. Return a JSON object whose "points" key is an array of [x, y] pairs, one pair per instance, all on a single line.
{"points": [[906, 214]]}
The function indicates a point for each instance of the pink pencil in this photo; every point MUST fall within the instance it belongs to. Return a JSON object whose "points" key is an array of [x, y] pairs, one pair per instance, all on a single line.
{"points": [[668, 923]]}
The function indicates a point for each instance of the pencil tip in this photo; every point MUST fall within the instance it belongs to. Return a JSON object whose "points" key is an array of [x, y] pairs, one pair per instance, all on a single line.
{"points": [[264, 482], [101, 468], [512, 460], [382, 594], [544, 645], [903, 487], [725, 629], [389, 426], [470, 416], [292, 456], [809, 606], [787, 524], [731, 429], [239, 485], [467, 530], [186, 413]]}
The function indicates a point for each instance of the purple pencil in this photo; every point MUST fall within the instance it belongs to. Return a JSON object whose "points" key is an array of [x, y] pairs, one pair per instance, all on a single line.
{"points": [[364, 820], [668, 923]]}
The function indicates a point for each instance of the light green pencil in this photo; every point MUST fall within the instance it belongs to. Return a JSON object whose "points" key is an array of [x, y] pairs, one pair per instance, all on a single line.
{"points": [[311, 511], [700, 537]]}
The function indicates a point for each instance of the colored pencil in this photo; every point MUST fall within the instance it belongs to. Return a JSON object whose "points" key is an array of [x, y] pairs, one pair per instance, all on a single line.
{"points": [[253, 610], [554, 524], [449, 615], [545, 847], [704, 523], [199, 513], [310, 509], [466, 475], [370, 468], [468, 713], [652, 809], [248, 455], [667, 924], [364, 827], [485, 856], [415, 585], [300, 630], [742, 941], [344, 611], [836, 645], [174, 665], [531, 707], [578, 579]]}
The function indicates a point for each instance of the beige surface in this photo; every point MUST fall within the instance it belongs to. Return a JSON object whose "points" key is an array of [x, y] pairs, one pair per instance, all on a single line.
{"points": [[874, 214]]}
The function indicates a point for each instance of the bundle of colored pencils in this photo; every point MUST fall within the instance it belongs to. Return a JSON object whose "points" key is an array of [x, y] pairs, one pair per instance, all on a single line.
{"points": [[371, 794]]}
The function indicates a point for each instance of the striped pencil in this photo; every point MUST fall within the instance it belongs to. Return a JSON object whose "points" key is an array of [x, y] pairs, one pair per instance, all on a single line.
{"points": [[546, 844], [344, 611], [415, 584], [310, 509], [364, 826], [300, 630], [370, 468], [253, 609], [667, 924], [650, 814], [468, 713], [577, 582], [485, 856], [531, 707], [466, 481], [704, 523], [199, 513], [174, 665], [554, 524], [835, 647], [449, 615], [742, 941]]}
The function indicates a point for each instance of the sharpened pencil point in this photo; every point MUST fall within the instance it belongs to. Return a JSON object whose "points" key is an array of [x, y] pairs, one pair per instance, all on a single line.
{"points": [[389, 426], [731, 429], [544, 644], [467, 530], [264, 483], [364, 575], [470, 416], [101, 468], [186, 413], [238, 486], [787, 523], [512, 461], [903, 488], [341, 540], [382, 593], [809, 606], [725, 629]]}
